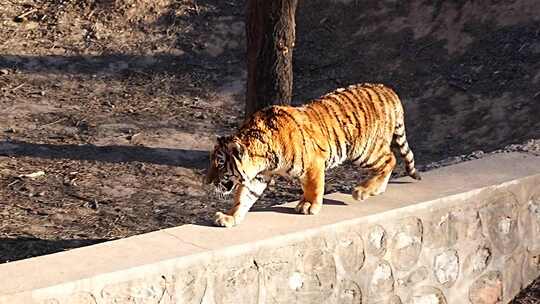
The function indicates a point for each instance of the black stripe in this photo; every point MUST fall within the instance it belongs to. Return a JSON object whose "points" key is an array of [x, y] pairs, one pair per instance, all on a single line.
{"points": [[315, 118], [326, 131], [374, 164], [365, 133], [400, 137], [333, 128], [232, 167], [391, 103], [303, 140], [357, 119], [372, 93], [291, 167], [383, 104], [340, 122], [342, 113], [350, 143], [252, 193], [356, 106], [350, 115], [374, 115]]}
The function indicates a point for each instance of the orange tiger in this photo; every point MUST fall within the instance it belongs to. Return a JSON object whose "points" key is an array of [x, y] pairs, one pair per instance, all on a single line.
{"points": [[358, 123]]}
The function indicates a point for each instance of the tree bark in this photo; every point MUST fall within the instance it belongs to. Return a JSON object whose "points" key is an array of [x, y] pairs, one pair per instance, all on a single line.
{"points": [[270, 33]]}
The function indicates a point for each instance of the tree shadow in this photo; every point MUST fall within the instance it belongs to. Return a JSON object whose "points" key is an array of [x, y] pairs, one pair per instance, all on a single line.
{"points": [[194, 159], [120, 64], [204, 39], [13, 249]]}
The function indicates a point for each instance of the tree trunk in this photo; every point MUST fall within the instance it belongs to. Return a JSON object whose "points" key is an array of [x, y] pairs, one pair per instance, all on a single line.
{"points": [[270, 33]]}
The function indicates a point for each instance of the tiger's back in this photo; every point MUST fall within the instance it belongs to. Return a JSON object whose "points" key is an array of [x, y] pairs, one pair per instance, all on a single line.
{"points": [[357, 123]]}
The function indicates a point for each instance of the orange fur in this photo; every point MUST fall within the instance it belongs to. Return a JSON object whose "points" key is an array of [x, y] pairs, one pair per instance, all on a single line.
{"points": [[358, 123]]}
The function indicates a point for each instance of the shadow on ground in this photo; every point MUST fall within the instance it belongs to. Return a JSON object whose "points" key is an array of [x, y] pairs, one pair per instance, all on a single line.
{"points": [[194, 159], [12, 249]]}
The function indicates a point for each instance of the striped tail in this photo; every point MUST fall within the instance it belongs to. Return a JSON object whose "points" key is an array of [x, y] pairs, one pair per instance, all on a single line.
{"points": [[405, 151]]}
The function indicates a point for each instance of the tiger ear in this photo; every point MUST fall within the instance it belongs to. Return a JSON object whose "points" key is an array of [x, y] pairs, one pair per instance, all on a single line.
{"points": [[237, 150]]}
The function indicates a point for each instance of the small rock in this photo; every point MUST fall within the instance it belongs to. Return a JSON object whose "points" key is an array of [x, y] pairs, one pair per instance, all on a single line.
{"points": [[200, 115], [34, 174], [136, 138], [4, 71]]}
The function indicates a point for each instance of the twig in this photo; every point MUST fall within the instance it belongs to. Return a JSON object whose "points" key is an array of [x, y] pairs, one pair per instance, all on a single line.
{"points": [[21, 16], [80, 197], [52, 123], [13, 182], [17, 87], [23, 208]]}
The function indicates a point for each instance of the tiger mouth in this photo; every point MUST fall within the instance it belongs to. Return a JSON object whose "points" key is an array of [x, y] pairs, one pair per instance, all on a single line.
{"points": [[228, 186], [224, 189]]}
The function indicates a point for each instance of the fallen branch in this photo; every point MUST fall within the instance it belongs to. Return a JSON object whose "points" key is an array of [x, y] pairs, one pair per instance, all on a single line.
{"points": [[20, 18]]}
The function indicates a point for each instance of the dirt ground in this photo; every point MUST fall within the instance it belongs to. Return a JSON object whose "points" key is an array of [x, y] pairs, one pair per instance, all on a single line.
{"points": [[529, 295], [118, 102]]}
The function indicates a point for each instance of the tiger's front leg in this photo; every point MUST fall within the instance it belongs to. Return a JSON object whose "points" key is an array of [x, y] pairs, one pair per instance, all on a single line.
{"points": [[244, 197], [313, 186]]}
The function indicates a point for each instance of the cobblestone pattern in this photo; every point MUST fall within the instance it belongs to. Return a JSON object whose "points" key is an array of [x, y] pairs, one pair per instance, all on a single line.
{"points": [[482, 250]]}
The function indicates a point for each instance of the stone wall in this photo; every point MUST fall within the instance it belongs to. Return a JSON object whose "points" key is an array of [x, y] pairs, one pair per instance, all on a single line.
{"points": [[477, 246]]}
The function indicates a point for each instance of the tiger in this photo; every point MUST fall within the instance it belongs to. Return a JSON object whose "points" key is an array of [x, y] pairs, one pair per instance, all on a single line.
{"points": [[359, 123]]}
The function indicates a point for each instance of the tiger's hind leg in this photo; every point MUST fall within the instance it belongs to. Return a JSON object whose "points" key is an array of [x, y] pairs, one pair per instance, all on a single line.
{"points": [[313, 186], [376, 183]]}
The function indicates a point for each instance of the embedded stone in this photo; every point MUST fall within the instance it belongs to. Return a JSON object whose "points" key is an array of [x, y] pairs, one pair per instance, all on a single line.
{"points": [[407, 244], [488, 289], [382, 280], [530, 220], [136, 291], [446, 267], [511, 273], [237, 284], [350, 252], [531, 266], [467, 224], [319, 277], [295, 281], [349, 292], [189, 285], [394, 300], [300, 273], [276, 267], [440, 232], [500, 217], [427, 295], [480, 259], [376, 241]]}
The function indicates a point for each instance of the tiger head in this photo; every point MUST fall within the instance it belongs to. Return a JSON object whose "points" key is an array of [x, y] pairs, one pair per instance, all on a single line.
{"points": [[227, 165]]}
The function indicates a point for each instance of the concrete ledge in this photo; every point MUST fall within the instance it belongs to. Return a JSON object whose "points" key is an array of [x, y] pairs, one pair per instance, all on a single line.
{"points": [[468, 233]]}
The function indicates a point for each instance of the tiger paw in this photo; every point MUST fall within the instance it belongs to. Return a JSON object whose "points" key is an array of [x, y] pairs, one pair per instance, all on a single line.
{"points": [[223, 220], [360, 193], [306, 207]]}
